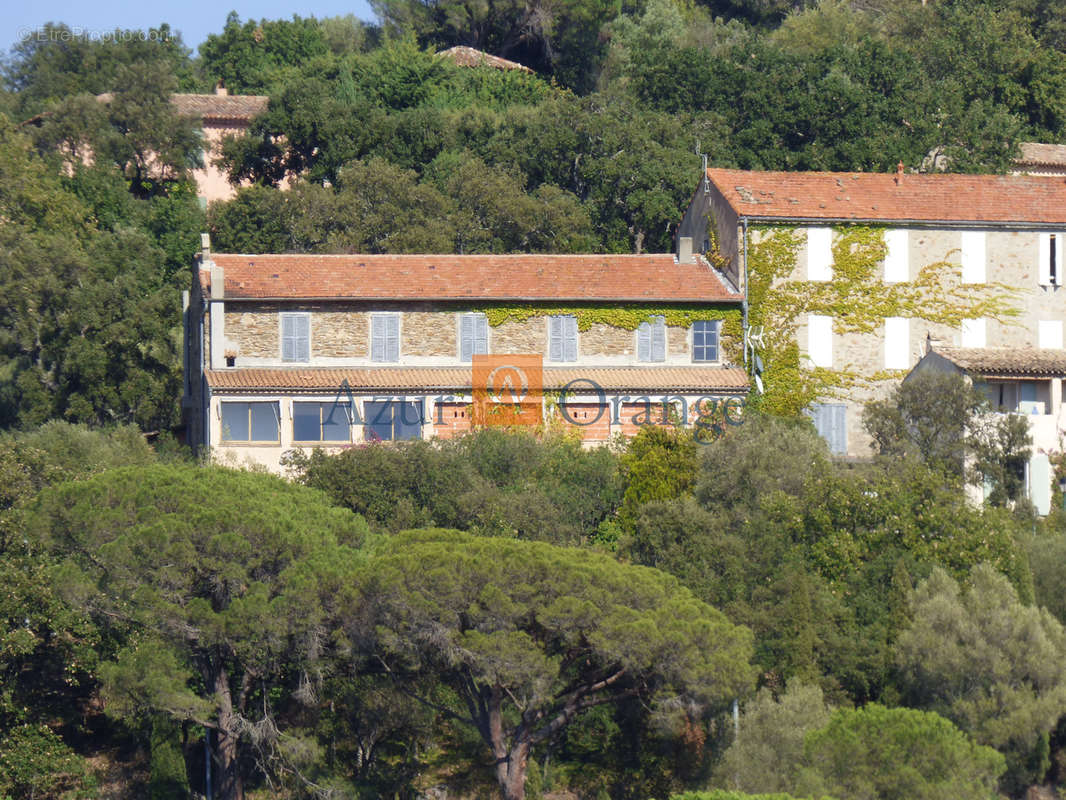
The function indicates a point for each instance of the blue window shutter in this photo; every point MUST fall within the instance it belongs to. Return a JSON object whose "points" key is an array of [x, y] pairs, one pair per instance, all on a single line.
{"points": [[481, 330], [302, 337], [830, 420], [644, 341], [657, 332], [393, 340], [377, 338], [570, 339], [295, 337], [466, 336], [555, 338]]}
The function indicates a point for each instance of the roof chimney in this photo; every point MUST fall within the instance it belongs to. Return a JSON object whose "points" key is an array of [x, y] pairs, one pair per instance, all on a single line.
{"points": [[899, 172], [684, 250], [205, 247], [220, 89]]}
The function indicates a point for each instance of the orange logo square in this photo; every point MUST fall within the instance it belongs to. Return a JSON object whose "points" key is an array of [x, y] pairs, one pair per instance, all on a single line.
{"points": [[508, 390]]}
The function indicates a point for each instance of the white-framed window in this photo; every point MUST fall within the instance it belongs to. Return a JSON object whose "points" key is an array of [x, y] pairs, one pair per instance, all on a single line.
{"points": [[651, 340], [250, 422], [974, 332], [897, 256], [1049, 265], [295, 336], [562, 338], [393, 420], [321, 422], [897, 343], [973, 257], [385, 337], [819, 254], [473, 336], [705, 340], [1049, 334], [820, 340]]}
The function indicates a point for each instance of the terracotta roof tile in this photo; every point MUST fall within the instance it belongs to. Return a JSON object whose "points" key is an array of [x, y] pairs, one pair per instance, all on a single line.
{"points": [[469, 57], [1050, 155], [216, 106], [433, 379], [1006, 361], [875, 196], [482, 277], [212, 106]]}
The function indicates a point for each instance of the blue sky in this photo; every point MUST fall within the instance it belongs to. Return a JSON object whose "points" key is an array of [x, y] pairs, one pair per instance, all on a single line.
{"points": [[195, 18]]}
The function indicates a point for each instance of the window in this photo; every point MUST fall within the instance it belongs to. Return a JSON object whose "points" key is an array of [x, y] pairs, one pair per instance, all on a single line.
{"points": [[897, 266], [830, 420], [320, 422], [819, 254], [250, 422], [973, 332], [384, 337], [1049, 334], [897, 343], [296, 337], [973, 257], [562, 338], [1050, 267], [473, 336], [705, 340], [820, 340], [392, 420], [651, 340]]}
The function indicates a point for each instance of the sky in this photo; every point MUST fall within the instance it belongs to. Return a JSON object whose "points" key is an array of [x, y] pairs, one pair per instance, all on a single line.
{"points": [[195, 19]]}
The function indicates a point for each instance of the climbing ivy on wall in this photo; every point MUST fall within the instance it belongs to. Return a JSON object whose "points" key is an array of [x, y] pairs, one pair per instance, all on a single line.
{"points": [[628, 318], [857, 299]]}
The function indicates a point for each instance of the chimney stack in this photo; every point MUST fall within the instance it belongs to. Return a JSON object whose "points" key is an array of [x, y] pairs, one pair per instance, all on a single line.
{"points": [[221, 90], [899, 172], [684, 250]]}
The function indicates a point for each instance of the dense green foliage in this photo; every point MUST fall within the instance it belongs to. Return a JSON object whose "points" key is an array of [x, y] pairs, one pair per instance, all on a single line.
{"points": [[334, 658]]}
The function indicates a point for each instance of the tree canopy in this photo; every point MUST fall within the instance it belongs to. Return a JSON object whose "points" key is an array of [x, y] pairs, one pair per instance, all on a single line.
{"points": [[530, 635]]}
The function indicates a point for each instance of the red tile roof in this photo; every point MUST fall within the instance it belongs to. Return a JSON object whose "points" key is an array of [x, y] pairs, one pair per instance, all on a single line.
{"points": [[469, 57], [1002, 362], [482, 277], [1045, 155], [433, 379], [905, 198], [220, 106], [212, 106]]}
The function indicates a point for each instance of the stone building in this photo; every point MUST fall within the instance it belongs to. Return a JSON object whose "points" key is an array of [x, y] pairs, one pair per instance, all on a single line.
{"points": [[220, 115], [965, 242], [299, 351]]}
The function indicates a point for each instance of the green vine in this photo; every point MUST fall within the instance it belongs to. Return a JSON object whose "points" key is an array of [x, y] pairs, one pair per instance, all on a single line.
{"points": [[627, 318], [857, 300]]}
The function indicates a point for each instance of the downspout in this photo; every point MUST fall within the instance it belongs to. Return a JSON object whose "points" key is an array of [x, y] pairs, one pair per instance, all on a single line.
{"points": [[744, 302]]}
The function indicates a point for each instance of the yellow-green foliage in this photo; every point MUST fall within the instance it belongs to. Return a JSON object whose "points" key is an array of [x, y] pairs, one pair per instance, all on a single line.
{"points": [[629, 318], [856, 298]]}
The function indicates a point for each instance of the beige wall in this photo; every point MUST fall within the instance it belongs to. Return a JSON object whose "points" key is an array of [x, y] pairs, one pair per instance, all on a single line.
{"points": [[429, 336], [1011, 259]]}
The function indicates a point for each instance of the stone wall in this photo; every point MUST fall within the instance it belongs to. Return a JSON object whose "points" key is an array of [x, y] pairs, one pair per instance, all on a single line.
{"points": [[429, 333]]}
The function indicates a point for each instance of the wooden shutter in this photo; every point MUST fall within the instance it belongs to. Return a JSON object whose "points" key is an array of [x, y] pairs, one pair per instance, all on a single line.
{"points": [[481, 334], [1044, 259], [570, 339], [377, 338], [466, 336], [295, 337], [555, 338], [658, 339], [392, 342], [644, 341], [830, 420]]}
